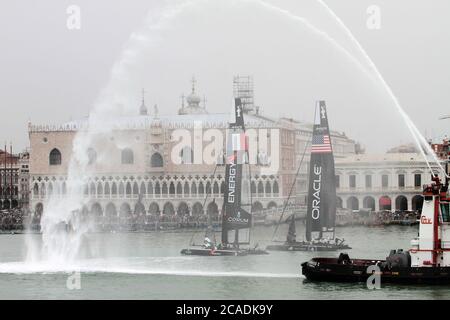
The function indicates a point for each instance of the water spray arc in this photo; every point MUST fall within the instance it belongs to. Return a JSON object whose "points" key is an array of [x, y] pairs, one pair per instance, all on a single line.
{"points": [[418, 137]]}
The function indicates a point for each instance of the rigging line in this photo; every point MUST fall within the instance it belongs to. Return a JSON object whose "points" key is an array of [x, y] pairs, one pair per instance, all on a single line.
{"points": [[290, 191], [204, 201]]}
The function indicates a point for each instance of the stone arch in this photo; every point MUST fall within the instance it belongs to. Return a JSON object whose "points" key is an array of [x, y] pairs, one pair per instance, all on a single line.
{"points": [[35, 190], [208, 187], [150, 188], [139, 209], [194, 189], [168, 209], [43, 190], [268, 188], [216, 188], [171, 188], [212, 209], [260, 189], [92, 188], [183, 209], [114, 189], [121, 189], [96, 210], [110, 210], [222, 187], [54, 157], [49, 189], [125, 210], [271, 205], [127, 156], [156, 160], [128, 189], [135, 189], [142, 190], [197, 209], [186, 189], [201, 189], [417, 202], [99, 189], [107, 189], [385, 203], [353, 203], [164, 190], [275, 189], [153, 208], [401, 203], [157, 189], [257, 206], [369, 202]]}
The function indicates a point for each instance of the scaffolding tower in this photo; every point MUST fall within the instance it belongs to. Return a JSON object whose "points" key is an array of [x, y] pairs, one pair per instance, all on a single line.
{"points": [[243, 88]]}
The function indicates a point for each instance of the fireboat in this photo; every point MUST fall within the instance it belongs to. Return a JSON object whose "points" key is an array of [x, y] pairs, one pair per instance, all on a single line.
{"points": [[426, 262]]}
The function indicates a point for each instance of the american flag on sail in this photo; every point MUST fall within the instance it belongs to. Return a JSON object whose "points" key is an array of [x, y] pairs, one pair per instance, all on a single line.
{"points": [[321, 144], [239, 142]]}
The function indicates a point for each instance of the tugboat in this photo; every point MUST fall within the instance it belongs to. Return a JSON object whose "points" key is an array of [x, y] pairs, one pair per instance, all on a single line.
{"points": [[321, 211], [237, 217], [427, 262]]}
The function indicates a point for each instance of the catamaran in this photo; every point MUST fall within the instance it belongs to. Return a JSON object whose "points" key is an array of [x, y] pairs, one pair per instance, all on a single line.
{"points": [[321, 208], [236, 217]]}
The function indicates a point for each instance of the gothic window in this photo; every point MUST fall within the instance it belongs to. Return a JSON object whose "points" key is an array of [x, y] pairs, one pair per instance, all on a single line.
{"points": [[156, 161], [55, 157]]}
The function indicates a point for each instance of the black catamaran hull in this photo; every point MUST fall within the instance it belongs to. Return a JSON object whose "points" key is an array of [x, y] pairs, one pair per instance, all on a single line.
{"points": [[329, 270], [213, 253], [222, 252], [306, 247]]}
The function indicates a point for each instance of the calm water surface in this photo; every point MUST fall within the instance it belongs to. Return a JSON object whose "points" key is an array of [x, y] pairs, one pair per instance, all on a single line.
{"points": [[149, 266]]}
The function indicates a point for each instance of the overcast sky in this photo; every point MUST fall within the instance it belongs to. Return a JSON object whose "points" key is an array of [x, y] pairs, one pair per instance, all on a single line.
{"points": [[50, 74]]}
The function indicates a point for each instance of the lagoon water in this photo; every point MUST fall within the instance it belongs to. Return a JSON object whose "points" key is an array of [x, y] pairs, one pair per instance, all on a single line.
{"points": [[149, 266]]}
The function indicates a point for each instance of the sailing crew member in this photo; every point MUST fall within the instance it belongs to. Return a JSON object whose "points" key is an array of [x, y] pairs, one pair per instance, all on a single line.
{"points": [[207, 243]]}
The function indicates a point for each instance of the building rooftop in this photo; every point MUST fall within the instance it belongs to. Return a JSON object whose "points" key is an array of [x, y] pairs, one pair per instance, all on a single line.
{"points": [[377, 158]]}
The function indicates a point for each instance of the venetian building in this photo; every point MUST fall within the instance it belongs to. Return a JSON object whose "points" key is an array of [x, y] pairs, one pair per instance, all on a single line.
{"points": [[146, 171], [14, 180], [391, 181]]}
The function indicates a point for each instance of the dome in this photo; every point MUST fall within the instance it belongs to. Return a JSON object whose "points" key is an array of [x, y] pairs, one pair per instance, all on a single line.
{"points": [[193, 103], [193, 99]]}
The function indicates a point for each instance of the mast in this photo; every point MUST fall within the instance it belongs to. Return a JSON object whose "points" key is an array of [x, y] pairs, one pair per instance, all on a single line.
{"points": [[321, 212], [4, 175], [11, 177], [235, 217]]}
